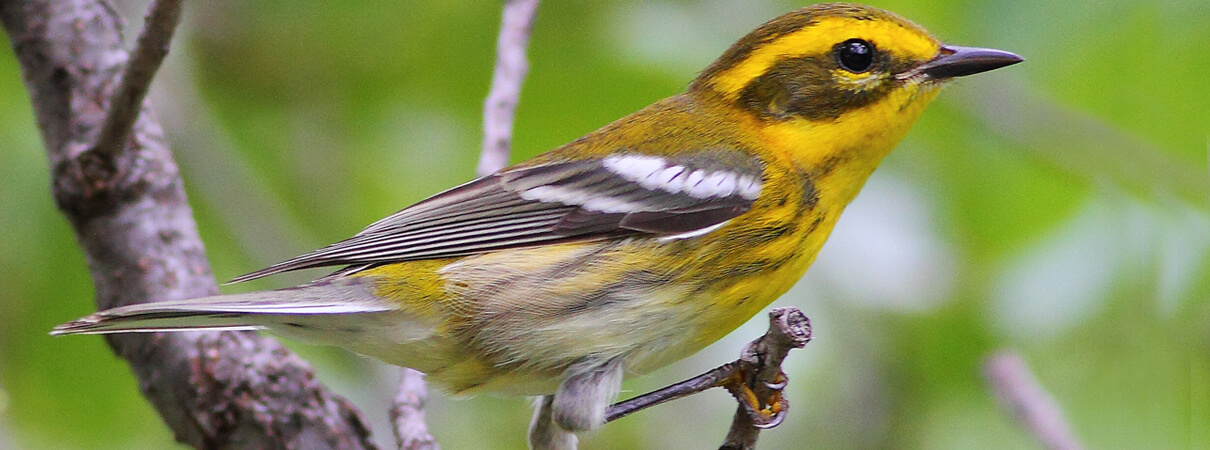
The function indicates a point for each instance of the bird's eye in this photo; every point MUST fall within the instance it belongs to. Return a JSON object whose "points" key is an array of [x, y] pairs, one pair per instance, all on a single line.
{"points": [[855, 55]]}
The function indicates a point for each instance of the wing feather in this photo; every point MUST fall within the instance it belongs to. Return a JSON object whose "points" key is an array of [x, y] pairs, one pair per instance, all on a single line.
{"points": [[556, 202]]}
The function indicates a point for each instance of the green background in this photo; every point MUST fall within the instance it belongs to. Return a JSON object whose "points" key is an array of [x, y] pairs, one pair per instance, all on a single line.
{"points": [[1057, 208]]}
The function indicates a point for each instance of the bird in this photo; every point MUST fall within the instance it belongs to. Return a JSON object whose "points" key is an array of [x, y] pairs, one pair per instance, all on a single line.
{"points": [[622, 251]]}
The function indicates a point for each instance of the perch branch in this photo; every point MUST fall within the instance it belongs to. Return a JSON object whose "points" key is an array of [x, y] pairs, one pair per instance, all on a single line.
{"points": [[755, 379], [1016, 387], [132, 220]]}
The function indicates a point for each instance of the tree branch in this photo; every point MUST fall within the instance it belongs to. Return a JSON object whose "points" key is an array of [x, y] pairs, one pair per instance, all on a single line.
{"points": [[131, 218], [407, 409], [755, 379], [1016, 387], [407, 413], [789, 328], [511, 66], [150, 50]]}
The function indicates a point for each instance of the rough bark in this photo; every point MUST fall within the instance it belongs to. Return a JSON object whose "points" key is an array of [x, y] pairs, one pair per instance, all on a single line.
{"points": [[131, 218]]}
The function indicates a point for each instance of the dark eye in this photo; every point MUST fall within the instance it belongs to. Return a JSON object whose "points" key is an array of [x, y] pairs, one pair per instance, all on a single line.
{"points": [[855, 55]]}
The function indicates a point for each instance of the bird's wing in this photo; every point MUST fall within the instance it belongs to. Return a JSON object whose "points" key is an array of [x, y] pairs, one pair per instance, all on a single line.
{"points": [[620, 194]]}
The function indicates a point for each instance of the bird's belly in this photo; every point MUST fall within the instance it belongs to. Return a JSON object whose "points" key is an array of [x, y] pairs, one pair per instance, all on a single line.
{"points": [[520, 318]]}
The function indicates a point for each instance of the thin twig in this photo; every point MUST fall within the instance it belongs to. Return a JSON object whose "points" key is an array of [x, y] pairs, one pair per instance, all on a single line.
{"points": [[757, 372], [511, 66], [498, 112], [1016, 387], [499, 109], [407, 413], [149, 51]]}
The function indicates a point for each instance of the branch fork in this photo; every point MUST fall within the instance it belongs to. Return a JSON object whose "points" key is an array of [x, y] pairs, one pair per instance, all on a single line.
{"points": [[755, 380]]}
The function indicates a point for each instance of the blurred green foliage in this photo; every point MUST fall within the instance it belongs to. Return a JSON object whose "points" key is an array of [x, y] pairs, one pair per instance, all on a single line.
{"points": [[1061, 206]]}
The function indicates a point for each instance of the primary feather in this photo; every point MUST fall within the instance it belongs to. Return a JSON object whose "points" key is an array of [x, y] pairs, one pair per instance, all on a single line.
{"points": [[249, 311]]}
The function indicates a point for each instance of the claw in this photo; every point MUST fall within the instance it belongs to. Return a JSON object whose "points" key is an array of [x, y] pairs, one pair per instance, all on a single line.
{"points": [[762, 418], [773, 421], [780, 383], [772, 416]]}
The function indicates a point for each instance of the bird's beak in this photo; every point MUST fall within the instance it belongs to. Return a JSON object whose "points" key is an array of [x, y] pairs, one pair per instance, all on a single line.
{"points": [[953, 61]]}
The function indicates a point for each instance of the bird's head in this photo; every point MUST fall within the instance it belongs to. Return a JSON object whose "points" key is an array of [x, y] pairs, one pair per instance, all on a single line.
{"points": [[839, 74], [823, 61]]}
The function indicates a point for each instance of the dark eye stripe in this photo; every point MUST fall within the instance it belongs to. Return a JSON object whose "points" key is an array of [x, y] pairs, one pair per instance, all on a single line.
{"points": [[789, 24], [805, 87]]}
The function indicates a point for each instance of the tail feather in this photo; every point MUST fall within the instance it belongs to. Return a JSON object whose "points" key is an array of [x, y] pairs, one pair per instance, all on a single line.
{"points": [[249, 311]]}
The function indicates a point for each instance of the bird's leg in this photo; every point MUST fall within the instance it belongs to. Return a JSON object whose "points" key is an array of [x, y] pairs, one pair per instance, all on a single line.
{"points": [[765, 412], [578, 405], [543, 433], [712, 379], [587, 389], [755, 379]]}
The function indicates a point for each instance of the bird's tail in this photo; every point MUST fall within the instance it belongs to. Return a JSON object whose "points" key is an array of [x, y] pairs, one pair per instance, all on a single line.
{"points": [[298, 306]]}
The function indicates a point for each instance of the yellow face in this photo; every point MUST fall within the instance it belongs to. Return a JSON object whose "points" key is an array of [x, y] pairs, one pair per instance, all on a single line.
{"points": [[828, 82], [857, 53], [823, 63]]}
